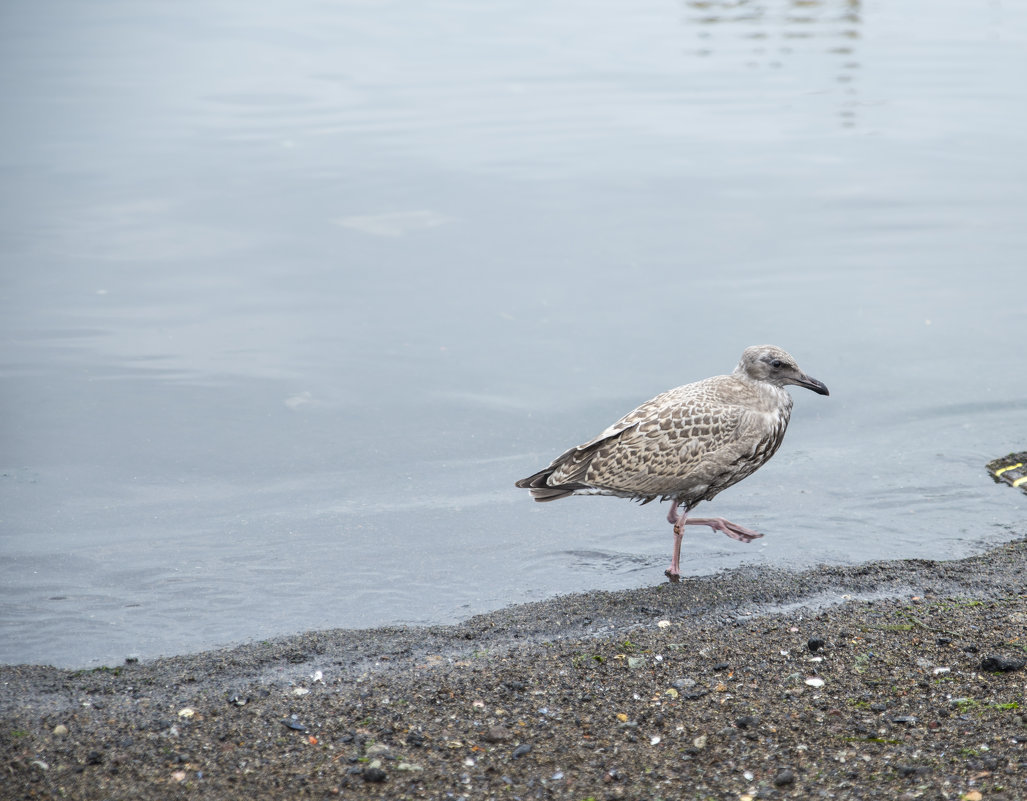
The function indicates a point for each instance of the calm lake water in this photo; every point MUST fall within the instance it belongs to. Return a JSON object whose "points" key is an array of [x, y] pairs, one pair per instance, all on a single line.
{"points": [[292, 293]]}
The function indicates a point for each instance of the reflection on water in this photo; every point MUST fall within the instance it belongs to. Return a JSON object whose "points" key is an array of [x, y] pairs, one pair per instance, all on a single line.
{"points": [[780, 35]]}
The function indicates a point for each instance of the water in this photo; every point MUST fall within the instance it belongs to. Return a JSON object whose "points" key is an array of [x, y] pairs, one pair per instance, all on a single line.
{"points": [[292, 293]]}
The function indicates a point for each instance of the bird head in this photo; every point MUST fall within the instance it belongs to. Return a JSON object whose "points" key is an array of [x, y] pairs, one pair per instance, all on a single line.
{"points": [[775, 366]]}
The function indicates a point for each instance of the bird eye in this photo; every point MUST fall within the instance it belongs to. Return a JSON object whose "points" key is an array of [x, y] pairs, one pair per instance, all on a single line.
{"points": [[777, 363]]}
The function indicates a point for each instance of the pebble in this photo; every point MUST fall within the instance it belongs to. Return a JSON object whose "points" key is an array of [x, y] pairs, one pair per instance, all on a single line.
{"points": [[186, 712], [521, 750], [408, 766], [815, 644], [683, 684], [294, 724], [376, 749], [1001, 664], [415, 739], [497, 734], [700, 741], [60, 729], [784, 777], [373, 775], [746, 721], [815, 681]]}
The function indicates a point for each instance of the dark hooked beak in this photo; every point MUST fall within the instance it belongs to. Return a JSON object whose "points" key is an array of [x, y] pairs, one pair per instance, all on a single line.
{"points": [[811, 383]]}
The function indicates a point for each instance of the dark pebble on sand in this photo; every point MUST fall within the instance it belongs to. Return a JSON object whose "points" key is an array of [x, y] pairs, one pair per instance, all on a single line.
{"points": [[373, 775], [1001, 664], [784, 777], [521, 750], [815, 644], [497, 734], [746, 721]]}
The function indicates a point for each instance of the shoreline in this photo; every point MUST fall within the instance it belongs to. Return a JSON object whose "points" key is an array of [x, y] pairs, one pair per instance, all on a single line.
{"points": [[756, 682]]}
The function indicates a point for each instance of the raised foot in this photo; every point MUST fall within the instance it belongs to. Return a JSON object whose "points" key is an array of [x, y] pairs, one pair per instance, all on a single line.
{"points": [[733, 530]]}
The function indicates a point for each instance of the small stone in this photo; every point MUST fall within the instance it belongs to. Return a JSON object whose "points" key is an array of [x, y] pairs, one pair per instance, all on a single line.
{"points": [[722, 666], [376, 749], [815, 644], [700, 742], [415, 739], [408, 766], [683, 684], [663, 624], [60, 730], [186, 712], [300, 691], [38, 763], [635, 662], [294, 724], [521, 750], [178, 775], [784, 777], [497, 734], [1001, 664], [746, 721], [815, 681], [973, 795], [373, 775]]}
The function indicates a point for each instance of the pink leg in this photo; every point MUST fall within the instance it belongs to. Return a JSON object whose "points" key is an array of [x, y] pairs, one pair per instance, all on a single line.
{"points": [[680, 520], [733, 530], [673, 572]]}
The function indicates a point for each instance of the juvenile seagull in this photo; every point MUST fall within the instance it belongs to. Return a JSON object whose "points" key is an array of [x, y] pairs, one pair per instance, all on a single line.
{"points": [[686, 444]]}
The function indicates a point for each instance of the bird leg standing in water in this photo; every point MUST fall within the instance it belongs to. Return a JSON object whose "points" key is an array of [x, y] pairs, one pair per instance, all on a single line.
{"points": [[679, 521], [686, 445]]}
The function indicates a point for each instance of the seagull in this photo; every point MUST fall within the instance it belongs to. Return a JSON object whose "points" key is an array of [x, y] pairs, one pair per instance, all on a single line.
{"points": [[686, 444]]}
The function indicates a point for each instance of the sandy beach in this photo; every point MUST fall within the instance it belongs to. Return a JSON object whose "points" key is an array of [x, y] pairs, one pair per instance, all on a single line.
{"points": [[896, 679]]}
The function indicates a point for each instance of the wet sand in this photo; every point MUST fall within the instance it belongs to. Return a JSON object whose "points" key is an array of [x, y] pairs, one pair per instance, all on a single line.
{"points": [[885, 680]]}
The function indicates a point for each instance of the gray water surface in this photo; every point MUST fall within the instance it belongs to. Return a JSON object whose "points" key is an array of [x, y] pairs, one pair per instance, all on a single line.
{"points": [[292, 293]]}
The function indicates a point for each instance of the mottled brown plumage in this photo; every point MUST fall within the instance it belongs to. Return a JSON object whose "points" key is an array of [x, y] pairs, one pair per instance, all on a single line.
{"points": [[687, 444]]}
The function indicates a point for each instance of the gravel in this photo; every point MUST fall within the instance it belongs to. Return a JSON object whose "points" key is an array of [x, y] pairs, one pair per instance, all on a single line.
{"points": [[885, 680]]}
